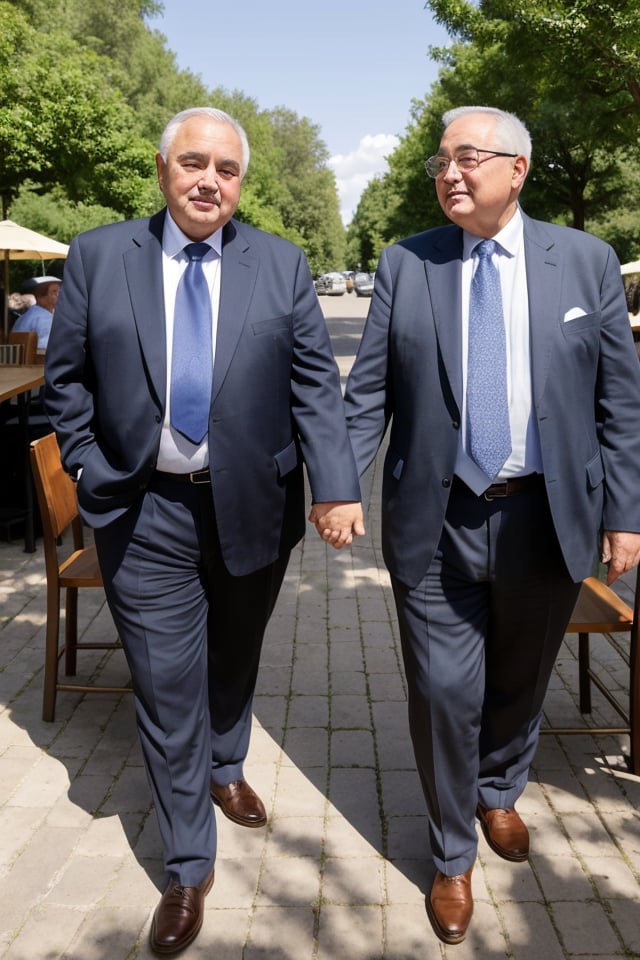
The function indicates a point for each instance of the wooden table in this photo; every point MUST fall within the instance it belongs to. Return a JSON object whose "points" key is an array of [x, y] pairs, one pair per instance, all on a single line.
{"points": [[18, 380]]}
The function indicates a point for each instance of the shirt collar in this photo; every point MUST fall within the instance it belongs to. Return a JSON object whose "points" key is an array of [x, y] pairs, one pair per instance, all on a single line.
{"points": [[509, 238], [174, 240]]}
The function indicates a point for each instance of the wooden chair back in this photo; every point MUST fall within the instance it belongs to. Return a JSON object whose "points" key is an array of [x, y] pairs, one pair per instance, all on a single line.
{"points": [[28, 340], [57, 500]]}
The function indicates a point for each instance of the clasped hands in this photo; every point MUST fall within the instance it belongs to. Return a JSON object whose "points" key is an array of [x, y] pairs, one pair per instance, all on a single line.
{"points": [[337, 523]]}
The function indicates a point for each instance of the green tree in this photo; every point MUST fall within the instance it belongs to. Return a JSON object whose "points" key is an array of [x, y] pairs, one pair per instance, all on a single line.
{"points": [[570, 71], [368, 231], [83, 108], [62, 121], [308, 200]]}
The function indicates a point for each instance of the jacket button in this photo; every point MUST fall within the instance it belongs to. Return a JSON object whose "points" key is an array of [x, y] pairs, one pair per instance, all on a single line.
{"points": [[446, 482], [455, 424]]}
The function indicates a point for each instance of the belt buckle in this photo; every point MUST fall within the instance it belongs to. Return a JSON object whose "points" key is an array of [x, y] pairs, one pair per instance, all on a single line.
{"points": [[199, 477], [496, 494]]}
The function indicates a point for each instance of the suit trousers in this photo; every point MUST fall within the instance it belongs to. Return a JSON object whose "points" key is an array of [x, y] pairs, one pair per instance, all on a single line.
{"points": [[192, 635], [480, 634]]}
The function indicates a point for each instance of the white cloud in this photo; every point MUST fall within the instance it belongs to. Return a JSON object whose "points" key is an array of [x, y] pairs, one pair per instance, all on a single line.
{"points": [[354, 170]]}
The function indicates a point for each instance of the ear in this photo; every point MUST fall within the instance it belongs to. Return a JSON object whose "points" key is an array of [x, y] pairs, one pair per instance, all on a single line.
{"points": [[160, 168], [520, 170]]}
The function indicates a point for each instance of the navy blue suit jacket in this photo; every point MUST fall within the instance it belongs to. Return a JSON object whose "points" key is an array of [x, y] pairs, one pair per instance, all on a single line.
{"points": [[586, 390], [276, 389]]}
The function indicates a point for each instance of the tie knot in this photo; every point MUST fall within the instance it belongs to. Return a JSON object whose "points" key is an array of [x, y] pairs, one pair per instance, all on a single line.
{"points": [[486, 248], [196, 251]]}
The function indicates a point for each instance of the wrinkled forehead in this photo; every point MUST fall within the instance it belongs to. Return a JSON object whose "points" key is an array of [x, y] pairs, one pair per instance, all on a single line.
{"points": [[203, 136]]}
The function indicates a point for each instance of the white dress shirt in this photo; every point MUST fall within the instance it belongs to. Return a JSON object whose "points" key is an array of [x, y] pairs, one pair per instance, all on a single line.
{"points": [[525, 456], [177, 454]]}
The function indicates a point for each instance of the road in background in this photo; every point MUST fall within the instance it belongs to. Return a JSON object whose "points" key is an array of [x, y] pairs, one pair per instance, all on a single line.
{"points": [[345, 316]]}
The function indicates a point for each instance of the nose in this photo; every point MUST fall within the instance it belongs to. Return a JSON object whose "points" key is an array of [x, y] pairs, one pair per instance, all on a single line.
{"points": [[208, 182], [452, 174]]}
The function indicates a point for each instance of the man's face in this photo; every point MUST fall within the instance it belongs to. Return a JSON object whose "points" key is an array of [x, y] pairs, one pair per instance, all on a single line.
{"points": [[483, 200], [202, 176], [49, 297]]}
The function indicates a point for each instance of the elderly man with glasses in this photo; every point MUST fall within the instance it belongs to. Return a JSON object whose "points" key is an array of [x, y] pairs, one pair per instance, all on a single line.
{"points": [[498, 349]]}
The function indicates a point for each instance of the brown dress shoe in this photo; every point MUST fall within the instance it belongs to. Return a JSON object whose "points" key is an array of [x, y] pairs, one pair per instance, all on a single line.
{"points": [[505, 833], [450, 905], [178, 917], [240, 803]]}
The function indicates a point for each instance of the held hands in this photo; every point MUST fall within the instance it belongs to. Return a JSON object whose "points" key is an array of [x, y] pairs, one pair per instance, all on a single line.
{"points": [[621, 551], [338, 522]]}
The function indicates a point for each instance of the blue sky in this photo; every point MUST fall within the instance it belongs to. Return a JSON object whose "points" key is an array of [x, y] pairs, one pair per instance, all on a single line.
{"points": [[351, 66]]}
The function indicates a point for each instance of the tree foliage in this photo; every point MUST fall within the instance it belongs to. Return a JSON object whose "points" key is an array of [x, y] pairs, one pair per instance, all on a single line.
{"points": [[87, 90], [570, 70]]}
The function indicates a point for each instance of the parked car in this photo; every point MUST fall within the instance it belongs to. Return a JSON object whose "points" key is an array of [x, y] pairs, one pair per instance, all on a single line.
{"points": [[332, 284], [363, 284]]}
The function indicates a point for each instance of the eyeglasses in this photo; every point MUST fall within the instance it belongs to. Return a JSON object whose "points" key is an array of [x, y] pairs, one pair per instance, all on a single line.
{"points": [[466, 160]]}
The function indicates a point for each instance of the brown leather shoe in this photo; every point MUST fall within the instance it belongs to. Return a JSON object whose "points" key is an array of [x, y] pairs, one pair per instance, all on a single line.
{"points": [[450, 905], [240, 803], [178, 917], [505, 833]]}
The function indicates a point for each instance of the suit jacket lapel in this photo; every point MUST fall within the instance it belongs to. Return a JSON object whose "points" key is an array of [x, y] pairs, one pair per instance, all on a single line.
{"points": [[543, 284], [239, 270], [443, 266], [143, 268]]}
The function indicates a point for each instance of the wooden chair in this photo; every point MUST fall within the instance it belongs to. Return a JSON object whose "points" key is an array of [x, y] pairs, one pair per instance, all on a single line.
{"points": [[59, 510], [29, 342], [600, 610]]}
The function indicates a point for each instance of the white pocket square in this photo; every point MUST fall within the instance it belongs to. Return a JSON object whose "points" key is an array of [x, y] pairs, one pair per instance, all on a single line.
{"points": [[573, 314]]}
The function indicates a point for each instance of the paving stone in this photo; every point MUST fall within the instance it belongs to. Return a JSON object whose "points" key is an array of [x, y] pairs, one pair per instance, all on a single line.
{"points": [[359, 927], [289, 882], [342, 839], [584, 927], [354, 881], [278, 933], [624, 914], [352, 748], [306, 746], [530, 932], [408, 933]]}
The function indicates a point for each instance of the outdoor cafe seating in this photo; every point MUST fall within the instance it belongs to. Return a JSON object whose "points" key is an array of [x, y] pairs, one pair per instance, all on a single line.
{"points": [[21, 419], [69, 568], [600, 610]]}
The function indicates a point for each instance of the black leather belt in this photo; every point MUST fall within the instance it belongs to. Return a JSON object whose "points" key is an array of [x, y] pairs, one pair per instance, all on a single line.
{"points": [[198, 477], [509, 488]]}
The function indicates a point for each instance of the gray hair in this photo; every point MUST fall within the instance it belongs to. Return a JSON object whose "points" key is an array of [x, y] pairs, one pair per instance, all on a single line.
{"points": [[511, 134], [220, 116]]}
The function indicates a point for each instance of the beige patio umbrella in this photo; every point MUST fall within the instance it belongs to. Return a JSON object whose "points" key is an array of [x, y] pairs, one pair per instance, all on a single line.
{"points": [[20, 243], [627, 268]]}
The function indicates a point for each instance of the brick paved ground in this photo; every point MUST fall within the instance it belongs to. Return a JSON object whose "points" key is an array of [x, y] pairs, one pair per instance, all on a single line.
{"points": [[341, 871]]}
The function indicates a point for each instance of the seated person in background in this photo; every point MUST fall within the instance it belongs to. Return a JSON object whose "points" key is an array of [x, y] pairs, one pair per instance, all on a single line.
{"points": [[39, 316], [19, 303]]}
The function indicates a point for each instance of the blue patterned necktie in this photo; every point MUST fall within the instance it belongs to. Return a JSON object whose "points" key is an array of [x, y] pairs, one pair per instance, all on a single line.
{"points": [[488, 430], [192, 362]]}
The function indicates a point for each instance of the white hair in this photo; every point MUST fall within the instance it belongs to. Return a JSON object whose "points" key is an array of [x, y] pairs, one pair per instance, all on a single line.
{"points": [[511, 134], [171, 129]]}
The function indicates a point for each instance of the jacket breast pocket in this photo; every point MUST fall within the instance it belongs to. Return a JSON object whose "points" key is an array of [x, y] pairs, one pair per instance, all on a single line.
{"points": [[585, 324]]}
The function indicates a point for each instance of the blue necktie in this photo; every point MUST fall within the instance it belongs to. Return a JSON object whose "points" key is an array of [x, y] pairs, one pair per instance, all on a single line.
{"points": [[192, 362], [488, 431]]}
